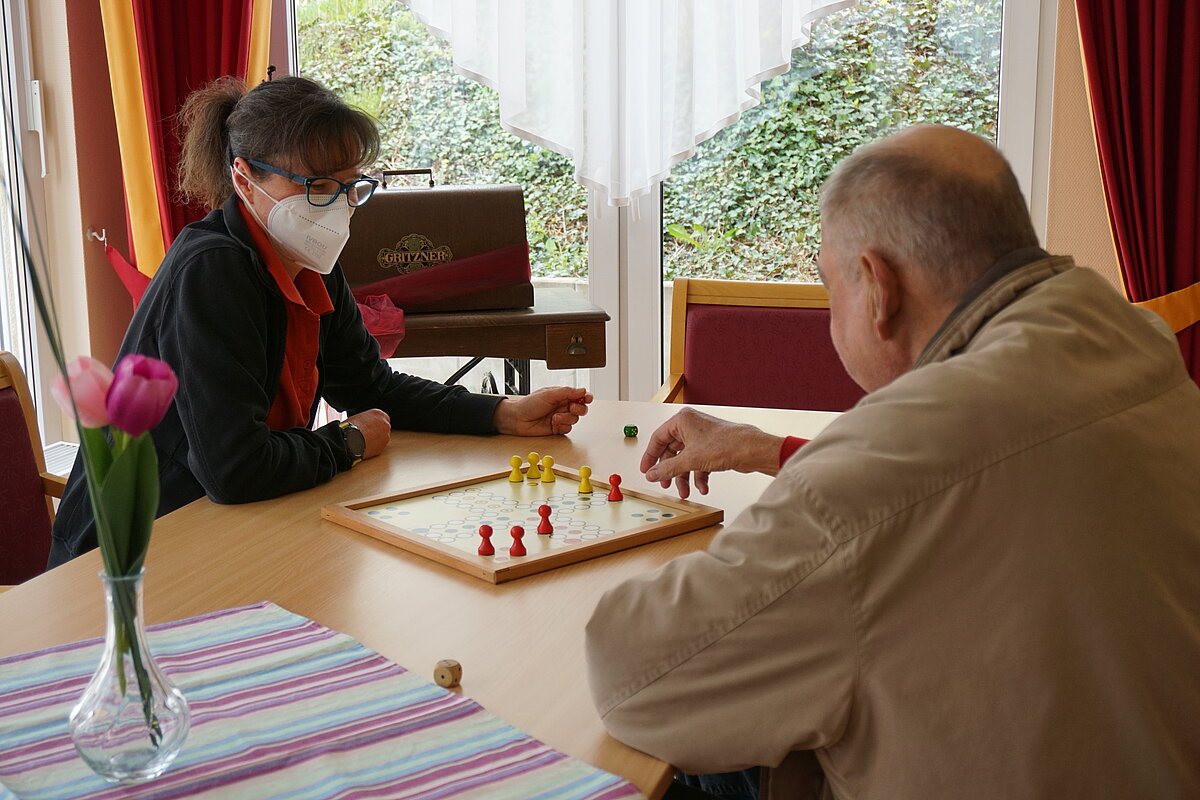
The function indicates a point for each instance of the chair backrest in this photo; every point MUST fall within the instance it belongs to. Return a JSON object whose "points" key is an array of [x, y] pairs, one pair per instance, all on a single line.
{"points": [[26, 511], [745, 343]]}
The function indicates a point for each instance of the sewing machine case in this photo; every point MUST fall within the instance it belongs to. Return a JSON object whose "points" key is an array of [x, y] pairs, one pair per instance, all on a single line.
{"points": [[444, 248]]}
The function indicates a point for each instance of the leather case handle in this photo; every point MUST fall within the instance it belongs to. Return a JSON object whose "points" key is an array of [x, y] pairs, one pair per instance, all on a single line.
{"points": [[384, 174]]}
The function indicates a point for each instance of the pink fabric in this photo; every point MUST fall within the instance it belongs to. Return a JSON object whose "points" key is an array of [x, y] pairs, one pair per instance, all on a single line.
{"points": [[24, 523], [495, 269], [384, 321], [765, 357]]}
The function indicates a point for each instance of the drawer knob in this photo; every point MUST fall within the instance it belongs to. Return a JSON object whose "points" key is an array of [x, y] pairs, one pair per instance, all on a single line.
{"points": [[576, 348]]}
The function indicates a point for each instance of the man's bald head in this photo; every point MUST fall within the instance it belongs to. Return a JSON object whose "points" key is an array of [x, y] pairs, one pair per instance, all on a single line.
{"points": [[933, 198]]}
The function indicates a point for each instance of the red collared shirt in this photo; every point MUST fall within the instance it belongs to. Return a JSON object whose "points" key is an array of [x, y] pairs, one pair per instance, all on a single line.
{"points": [[306, 300]]}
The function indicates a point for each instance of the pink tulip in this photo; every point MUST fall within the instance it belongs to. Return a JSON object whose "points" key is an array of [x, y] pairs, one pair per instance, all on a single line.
{"points": [[90, 381], [141, 393]]}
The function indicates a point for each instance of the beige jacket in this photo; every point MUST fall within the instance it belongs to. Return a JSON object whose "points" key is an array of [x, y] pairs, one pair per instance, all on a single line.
{"points": [[981, 582]]}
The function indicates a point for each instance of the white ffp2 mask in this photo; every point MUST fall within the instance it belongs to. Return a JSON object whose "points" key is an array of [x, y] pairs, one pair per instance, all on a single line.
{"points": [[312, 236]]}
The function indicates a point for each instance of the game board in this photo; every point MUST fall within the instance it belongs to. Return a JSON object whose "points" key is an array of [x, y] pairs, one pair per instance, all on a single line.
{"points": [[441, 521]]}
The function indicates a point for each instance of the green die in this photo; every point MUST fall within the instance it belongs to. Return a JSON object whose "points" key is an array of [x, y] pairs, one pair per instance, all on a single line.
{"points": [[630, 431]]}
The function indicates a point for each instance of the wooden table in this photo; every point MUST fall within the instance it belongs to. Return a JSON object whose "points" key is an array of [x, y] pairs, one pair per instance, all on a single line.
{"points": [[562, 328], [520, 643]]}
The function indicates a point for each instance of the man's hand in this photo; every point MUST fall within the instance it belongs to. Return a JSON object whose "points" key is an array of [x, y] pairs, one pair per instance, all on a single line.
{"points": [[692, 444], [554, 409], [376, 427]]}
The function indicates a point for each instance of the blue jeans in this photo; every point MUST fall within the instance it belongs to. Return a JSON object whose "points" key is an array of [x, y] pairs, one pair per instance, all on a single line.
{"points": [[741, 785]]}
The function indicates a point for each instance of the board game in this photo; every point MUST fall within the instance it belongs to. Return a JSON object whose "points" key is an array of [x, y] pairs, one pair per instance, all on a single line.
{"points": [[442, 521]]}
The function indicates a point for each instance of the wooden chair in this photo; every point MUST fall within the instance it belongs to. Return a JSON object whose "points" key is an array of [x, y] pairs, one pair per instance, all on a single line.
{"points": [[745, 343], [26, 488]]}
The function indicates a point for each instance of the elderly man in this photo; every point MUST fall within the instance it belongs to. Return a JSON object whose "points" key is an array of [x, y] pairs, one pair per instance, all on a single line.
{"points": [[983, 581]]}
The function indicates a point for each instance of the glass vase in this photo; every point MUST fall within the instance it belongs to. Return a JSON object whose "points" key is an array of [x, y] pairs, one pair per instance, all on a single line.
{"points": [[131, 721]]}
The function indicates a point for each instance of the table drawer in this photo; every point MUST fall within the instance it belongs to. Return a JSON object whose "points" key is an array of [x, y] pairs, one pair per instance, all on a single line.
{"points": [[575, 346]]}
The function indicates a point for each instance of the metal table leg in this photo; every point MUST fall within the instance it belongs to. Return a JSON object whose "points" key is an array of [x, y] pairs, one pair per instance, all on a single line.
{"points": [[463, 370], [516, 376]]}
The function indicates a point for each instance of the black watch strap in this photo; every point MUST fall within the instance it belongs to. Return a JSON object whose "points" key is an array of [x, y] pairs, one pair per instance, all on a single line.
{"points": [[355, 442]]}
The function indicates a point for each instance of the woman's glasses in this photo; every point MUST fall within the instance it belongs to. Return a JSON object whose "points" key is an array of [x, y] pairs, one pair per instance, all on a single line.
{"points": [[322, 192]]}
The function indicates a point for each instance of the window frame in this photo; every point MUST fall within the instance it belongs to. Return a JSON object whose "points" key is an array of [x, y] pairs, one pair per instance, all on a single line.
{"points": [[23, 334], [625, 244]]}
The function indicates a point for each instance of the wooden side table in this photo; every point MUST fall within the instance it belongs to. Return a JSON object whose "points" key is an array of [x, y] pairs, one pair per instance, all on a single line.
{"points": [[562, 328]]}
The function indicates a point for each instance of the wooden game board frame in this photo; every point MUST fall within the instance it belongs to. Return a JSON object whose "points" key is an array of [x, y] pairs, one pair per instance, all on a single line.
{"points": [[695, 516]]}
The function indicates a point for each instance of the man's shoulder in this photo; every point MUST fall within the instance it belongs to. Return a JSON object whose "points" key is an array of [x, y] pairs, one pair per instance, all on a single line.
{"points": [[1061, 357], [890, 452]]}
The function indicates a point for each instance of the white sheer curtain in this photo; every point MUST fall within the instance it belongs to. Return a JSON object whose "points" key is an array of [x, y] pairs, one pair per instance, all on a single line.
{"points": [[625, 88]]}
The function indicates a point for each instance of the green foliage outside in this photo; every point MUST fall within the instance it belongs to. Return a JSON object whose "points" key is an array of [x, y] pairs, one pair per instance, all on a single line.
{"points": [[745, 205]]}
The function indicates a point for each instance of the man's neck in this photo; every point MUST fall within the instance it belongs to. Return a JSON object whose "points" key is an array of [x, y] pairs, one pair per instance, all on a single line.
{"points": [[1007, 263]]}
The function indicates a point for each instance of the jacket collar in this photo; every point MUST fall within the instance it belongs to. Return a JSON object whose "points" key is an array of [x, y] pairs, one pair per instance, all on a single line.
{"points": [[1000, 285], [235, 224]]}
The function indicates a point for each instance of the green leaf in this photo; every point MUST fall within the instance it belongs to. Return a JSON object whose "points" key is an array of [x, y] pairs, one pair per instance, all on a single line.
{"points": [[679, 232], [130, 500], [146, 502], [97, 461], [96, 449]]}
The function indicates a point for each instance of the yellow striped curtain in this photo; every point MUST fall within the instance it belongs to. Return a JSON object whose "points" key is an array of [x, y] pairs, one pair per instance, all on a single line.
{"points": [[158, 52]]}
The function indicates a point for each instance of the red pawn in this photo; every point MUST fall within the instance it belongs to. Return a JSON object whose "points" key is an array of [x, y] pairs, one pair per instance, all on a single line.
{"points": [[517, 548], [485, 547], [614, 493], [544, 526]]}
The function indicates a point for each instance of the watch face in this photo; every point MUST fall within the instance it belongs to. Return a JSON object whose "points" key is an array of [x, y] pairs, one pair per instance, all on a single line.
{"points": [[356, 443]]}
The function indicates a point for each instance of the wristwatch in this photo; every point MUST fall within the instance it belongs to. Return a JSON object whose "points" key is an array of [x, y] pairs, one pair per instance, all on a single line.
{"points": [[356, 443]]}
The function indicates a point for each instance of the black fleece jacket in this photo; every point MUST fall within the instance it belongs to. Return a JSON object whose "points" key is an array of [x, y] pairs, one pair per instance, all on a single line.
{"points": [[216, 316]]}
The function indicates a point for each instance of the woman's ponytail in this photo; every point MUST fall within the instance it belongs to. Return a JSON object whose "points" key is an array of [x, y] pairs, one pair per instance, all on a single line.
{"points": [[204, 137]]}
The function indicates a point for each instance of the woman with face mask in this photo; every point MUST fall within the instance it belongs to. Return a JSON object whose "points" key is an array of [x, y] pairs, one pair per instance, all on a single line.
{"points": [[252, 312]]}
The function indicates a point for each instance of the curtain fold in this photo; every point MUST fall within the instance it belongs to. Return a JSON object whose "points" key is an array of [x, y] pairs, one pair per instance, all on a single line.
{"points": [[625, 89], [1142, 59], [158, 52]]}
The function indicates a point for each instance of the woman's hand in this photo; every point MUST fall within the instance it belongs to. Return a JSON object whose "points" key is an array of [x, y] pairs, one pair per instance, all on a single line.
{"points": [[552, 410], [376, 428]]}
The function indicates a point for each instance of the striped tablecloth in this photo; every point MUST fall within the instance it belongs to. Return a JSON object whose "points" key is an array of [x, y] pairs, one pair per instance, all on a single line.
{"points": [[284, 708]]}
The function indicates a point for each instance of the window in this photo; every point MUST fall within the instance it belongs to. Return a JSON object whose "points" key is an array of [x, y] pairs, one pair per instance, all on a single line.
{"points": [[20, 165], [376, 55], [744, 206]]}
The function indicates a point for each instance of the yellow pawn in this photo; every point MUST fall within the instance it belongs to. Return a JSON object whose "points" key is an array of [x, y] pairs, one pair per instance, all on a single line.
{"points": [[585, 480], [533, 473], [548, 469], [515, 476]]}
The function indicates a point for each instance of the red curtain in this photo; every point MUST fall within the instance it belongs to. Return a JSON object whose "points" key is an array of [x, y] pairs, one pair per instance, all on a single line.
{"points": [[182, 45], [158, 52], [1143, 67]]}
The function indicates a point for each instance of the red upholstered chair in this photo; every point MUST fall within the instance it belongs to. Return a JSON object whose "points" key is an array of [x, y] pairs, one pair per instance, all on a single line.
{"points": [[25, 485], [745, 343]]}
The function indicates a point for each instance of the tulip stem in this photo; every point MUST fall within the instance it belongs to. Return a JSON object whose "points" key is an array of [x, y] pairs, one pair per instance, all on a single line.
{"points": [[120, 440]]}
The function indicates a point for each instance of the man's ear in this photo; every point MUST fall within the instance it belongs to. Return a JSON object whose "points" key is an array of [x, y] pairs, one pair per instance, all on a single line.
{"points": [[883, 287]]}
